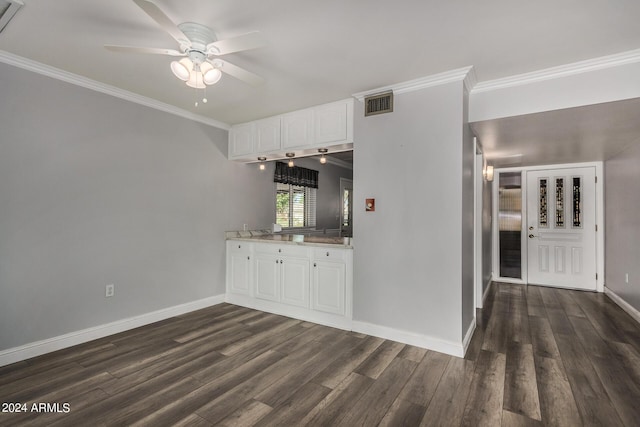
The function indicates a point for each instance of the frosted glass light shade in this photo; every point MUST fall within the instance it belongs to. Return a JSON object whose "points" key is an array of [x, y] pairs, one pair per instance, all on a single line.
{"points": [[182, 69], [212, 76], [195, 80]]}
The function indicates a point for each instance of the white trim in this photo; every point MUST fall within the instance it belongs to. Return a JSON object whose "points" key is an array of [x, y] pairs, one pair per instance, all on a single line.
{"points": [[580, 67], [300, 313], [411, 338], [77, 80], [467, 74], [38, 348], [631, 311], [468, 336], [478, 181], [486, 291], [339, 163]]}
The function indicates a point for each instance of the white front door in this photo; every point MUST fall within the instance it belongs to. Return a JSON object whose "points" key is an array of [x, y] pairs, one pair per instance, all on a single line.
{"points": [[561, 227]]}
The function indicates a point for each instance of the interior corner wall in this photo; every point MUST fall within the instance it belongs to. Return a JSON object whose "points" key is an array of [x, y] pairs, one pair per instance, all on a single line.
{"points": [[97, 190], [487, 235], [467, 224], [408, 253], [622, 224]]}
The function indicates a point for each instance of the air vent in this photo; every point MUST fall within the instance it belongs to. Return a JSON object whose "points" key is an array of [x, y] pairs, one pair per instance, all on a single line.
{"points": [[8, 8], [378, 104]]}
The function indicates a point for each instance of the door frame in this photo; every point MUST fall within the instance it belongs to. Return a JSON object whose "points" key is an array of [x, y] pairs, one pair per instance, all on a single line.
{"points": [[346, 183], [523, 244]]}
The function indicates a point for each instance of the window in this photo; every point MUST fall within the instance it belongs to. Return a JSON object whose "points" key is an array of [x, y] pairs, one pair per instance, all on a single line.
{"points": [[295, 206]]}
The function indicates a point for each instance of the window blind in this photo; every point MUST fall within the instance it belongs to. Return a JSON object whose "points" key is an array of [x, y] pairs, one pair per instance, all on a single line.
{"points": [[295, 206], [295, 176]]}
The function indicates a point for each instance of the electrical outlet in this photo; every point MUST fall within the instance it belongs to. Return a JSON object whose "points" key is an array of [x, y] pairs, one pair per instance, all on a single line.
{"points": [[109, 290]]}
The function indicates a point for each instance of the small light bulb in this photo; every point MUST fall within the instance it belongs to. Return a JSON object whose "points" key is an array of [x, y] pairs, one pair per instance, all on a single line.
{"points": [[323, 159], [290, 163], [204, 100], [196, 103], [261, 166]]}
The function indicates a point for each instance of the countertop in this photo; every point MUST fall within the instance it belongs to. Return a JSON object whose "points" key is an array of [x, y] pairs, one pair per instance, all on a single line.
{"points": [[297, 239]]}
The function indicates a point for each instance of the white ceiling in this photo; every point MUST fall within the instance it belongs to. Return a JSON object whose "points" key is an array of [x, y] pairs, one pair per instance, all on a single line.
{"points": [[321, 51]]}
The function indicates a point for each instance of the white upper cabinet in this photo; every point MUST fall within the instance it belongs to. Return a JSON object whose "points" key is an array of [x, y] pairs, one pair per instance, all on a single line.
{"points": [[267, 134], [241, 139], [297, 129], [301, 132], [331, 123]]}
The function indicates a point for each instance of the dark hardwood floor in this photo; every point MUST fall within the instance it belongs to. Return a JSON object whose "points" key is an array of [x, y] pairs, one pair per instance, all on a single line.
{"points": [[539, 356]]}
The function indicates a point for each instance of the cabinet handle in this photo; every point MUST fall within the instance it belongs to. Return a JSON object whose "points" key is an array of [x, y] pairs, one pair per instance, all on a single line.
{"points": [[247, 257], [279, 250], [280, 261], [327, 253], [314, 264], [276, 261], [239, 246]]}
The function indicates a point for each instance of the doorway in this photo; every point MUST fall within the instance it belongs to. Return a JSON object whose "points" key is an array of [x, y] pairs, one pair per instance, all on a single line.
{"points": [[554, 212], [561, 228], [346, 207]]}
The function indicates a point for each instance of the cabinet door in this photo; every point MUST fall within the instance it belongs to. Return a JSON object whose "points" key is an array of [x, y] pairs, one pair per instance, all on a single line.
{"points": [[331, 123], [328, 287], [267, 277], [241, 140], [297, 129], [295, 281], [267, 134], [240, 273]]}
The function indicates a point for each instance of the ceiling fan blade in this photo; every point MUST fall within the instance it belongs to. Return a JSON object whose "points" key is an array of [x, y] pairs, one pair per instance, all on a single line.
{"points": [[153, 50], [237, 72], [247, 41], [163, 20]]}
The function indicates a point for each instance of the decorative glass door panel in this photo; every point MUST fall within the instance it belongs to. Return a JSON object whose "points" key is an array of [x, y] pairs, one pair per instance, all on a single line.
{"points": [[561, 238]]}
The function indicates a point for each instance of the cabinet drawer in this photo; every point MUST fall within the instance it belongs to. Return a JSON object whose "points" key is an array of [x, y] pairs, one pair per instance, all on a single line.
{"points": [[329, 254], [284, 250], [238, 246]]}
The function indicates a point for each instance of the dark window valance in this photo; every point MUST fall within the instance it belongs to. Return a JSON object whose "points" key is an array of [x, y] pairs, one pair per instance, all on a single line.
{"points": [[295, 175]]}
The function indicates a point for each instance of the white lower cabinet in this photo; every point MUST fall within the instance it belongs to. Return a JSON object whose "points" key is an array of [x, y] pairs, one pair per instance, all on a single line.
{"points": [[305, 282], [239, 267], [295, 281], [282, 279], [328, 287], [267, 277]]}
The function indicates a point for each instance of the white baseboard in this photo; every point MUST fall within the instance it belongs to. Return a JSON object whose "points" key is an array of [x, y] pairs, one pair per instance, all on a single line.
{"points": [[467, 337], [486, 291], [411, 338], [300, 313], [38, 348], [623, 304]]}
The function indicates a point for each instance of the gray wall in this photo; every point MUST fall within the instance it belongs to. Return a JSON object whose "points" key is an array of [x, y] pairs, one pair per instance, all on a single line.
{"points": [[97, 190], [468, 162], [487, 235], [328, 193], [622, 224], [408, 253]]}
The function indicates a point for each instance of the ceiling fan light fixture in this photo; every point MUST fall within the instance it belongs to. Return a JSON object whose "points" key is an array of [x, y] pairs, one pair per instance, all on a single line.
{"points": [[211, 75], [182, 69], [196, 80]]}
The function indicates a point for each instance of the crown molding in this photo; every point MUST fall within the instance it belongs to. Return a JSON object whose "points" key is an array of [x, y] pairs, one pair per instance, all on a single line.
{"points": [[466, 74], [77, 80], [580, 67], [339, 163]]}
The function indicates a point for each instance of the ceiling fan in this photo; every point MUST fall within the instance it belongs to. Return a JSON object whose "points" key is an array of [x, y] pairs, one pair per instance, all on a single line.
{"points": [[199, 47]]}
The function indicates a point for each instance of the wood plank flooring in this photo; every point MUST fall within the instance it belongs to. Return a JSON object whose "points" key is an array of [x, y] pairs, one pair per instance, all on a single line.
{"points": [[539, 357]]}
